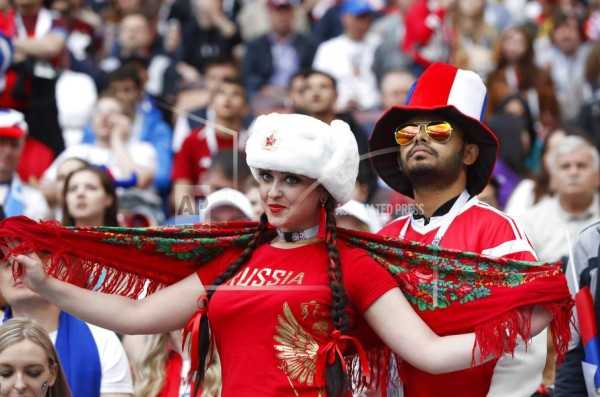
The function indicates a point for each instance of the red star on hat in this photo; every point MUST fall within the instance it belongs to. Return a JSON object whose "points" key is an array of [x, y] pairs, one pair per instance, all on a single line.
{"points": [[270, 140]]}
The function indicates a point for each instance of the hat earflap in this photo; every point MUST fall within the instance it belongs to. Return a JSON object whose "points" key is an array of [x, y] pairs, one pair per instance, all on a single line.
{"points": [[339, 173]]}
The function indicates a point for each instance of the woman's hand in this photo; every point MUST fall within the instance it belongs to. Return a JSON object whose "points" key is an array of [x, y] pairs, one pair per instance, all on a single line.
{"points": [[33, 274]]}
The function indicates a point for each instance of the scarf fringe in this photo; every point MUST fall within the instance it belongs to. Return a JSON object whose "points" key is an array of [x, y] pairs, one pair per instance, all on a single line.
{"points": [[66, 255], [560, 327], [509, 330], [89, 273], [382, 362], [99, 276], [505, 332]]}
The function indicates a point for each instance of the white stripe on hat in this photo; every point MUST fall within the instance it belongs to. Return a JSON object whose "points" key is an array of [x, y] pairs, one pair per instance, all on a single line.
{"points": [[11, 118], [5, 54], [6, 59], [468, 93]]}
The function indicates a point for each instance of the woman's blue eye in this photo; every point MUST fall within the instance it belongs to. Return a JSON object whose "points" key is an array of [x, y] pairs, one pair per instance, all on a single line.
{"points": [[265, 176]]}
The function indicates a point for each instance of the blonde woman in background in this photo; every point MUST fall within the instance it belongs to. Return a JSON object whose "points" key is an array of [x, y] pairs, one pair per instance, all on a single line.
{"points": [[28, 361], [160, 367]]}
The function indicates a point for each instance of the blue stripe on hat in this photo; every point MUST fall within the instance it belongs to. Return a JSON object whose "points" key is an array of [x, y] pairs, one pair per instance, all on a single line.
{"points": [[410, 92], [483, 107]]}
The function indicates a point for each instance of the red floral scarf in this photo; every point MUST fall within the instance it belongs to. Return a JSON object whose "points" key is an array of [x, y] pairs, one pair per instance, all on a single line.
{"points": [[471, 291]]}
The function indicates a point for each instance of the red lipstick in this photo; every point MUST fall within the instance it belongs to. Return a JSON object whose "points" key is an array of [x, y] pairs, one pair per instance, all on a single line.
{"points": [[276, 208]]}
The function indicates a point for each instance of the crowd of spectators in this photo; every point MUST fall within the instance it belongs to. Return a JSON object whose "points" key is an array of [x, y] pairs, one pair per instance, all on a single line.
{"points": [[189, 78]]}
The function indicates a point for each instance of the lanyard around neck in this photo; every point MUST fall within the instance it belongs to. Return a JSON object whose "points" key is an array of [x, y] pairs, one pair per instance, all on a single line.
{"points": [[448, 219]]}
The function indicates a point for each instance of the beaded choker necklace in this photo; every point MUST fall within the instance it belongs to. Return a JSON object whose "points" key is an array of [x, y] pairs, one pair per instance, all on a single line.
{"points": [[293, 237]]}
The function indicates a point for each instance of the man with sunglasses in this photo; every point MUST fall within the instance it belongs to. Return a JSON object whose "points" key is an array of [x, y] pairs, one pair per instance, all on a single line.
{"points": [[436, 150]]}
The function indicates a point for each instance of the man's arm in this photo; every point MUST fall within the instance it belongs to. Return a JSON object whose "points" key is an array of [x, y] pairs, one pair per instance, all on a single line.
{"points": [[521, 375], [49, 46]]}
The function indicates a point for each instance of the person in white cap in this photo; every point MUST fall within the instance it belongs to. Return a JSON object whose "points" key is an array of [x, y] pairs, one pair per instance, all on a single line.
{"points": [[355, 215], [349, 57], [285, 307], [227, 205], [17, 197], [437, 151]]}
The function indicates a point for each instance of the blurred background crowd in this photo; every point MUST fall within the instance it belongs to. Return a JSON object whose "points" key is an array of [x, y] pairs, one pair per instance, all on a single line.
{"points": [[161, 93]]}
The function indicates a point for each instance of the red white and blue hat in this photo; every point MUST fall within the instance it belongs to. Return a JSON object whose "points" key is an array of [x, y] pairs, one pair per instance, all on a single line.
{"points": [[12, 124], [458, 96]]}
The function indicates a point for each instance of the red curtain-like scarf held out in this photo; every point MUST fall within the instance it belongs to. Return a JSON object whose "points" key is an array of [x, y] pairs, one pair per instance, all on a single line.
{"points": [[471, 292]]}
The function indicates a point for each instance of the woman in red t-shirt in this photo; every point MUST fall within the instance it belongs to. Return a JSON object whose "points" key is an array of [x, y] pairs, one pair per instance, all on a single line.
{"points": [[284, 311]]}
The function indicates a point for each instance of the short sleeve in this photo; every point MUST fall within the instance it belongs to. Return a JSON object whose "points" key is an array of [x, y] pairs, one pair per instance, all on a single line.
{"points": [[36, 206], [116, 373], [184, 160], [364, 278], [208, 272]]}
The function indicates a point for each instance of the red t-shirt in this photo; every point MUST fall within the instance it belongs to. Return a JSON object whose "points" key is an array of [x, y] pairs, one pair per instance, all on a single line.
{"points": [[271, 318], [35, 159], [195, 155], [478, 228]]}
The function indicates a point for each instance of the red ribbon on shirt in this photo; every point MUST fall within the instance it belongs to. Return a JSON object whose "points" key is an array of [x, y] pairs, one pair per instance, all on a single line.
{"points": [[193, 328], [327, 354]]}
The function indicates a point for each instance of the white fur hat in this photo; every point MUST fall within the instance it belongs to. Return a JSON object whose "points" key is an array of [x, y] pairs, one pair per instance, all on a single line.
{"points": [[305, 146]]}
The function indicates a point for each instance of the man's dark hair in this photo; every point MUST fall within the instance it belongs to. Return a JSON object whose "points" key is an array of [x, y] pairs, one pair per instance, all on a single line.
{"points": [[125, 73], [222, 61], [299, 73], [312, 72], [235, 81], [223, 160], [561, 17]]}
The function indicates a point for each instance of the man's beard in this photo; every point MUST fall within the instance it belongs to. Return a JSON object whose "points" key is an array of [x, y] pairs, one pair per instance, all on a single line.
{"points": [[436, 176]]}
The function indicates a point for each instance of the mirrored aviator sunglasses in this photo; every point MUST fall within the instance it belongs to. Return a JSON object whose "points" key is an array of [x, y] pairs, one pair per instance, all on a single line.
{"points": [[437, 131]]}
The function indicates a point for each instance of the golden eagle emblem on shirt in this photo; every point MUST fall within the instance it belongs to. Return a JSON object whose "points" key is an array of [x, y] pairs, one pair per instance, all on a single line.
{"points": [[297, 349]]}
